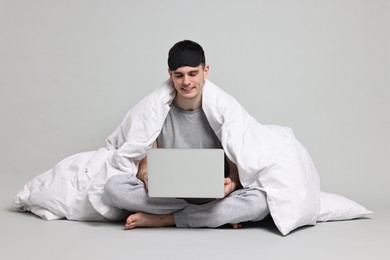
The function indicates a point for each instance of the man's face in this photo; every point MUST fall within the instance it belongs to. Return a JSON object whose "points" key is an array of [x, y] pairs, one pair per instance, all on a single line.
{"points": [[189, 81]]}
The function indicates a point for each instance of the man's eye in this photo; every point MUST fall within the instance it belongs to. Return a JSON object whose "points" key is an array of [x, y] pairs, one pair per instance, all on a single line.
{"points": [[193, 74]]}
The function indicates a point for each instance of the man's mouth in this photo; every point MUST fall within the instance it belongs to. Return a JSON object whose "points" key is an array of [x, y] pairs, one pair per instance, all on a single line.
{"points": [[187, 90]]}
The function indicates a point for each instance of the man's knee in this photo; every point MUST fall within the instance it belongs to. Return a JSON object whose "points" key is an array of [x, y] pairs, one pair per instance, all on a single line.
{"points": [[111, 187], [115, 185], [258, 202], [121, 186]]}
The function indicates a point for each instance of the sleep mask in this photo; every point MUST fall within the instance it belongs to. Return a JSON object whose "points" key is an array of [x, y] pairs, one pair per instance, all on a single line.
{"points": [[184, 57]]}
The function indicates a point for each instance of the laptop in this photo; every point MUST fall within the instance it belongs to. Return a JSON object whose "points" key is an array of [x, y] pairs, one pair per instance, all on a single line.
{"points": [[186, 173]]}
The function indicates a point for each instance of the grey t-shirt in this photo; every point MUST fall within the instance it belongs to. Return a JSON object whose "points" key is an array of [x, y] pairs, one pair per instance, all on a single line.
{"points": [[187, 129]]}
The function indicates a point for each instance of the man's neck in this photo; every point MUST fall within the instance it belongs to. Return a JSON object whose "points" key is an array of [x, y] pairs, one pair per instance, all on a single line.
{"points": [[189, 104]]}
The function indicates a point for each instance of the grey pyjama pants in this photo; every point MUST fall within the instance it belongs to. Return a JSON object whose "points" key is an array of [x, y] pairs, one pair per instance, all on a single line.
{"points": [[128, 192]]}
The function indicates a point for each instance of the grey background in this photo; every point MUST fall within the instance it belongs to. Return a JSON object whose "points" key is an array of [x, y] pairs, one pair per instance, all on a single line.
{"points": [[70, 70]]}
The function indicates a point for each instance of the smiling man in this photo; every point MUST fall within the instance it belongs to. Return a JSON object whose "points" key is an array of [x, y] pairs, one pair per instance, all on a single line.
{"points": [[188, 70], [186, 126], [188, 82]]}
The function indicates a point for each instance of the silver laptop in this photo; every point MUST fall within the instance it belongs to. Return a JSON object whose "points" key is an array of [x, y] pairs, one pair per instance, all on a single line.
{"points": [[186, 173]]}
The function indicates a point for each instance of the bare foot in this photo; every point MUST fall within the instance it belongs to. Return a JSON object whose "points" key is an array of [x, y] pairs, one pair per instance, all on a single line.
{"points": [[236, 226], [149, 220]]}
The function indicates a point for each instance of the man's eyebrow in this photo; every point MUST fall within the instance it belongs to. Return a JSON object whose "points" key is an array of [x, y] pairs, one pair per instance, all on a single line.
{"points": [[189, 72]]}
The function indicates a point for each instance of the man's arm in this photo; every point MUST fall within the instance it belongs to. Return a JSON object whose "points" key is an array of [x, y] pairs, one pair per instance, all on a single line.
{"points": [[142, 173], [233, 181]]}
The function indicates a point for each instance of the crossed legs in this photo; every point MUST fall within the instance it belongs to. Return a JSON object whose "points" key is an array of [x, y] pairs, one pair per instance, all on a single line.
{"points": [[127, 192]]}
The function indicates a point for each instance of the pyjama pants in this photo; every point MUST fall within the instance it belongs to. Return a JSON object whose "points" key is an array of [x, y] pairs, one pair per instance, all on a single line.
{"points": [[128, 192]]}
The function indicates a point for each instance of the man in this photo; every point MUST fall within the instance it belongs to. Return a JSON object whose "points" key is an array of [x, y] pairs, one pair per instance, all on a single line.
{"points": [[186, 126]]}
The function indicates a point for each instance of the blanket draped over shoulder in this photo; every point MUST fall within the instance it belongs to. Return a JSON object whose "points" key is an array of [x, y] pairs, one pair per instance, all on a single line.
{"points": [[268, 158]]}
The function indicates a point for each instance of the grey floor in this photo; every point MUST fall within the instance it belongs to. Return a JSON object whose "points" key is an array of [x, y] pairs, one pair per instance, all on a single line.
{"points": [[25, 236]]}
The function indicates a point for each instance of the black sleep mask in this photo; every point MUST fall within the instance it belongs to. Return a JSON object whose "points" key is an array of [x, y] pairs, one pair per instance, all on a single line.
{"points": [[184, 57]]}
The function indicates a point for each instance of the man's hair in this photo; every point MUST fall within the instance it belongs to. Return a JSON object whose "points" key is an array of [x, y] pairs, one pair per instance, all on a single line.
{"points": [[187, 47]]}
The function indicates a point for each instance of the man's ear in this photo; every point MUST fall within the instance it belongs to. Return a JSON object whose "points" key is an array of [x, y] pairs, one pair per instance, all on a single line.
{"points": [[206, 71], [169, 72]]}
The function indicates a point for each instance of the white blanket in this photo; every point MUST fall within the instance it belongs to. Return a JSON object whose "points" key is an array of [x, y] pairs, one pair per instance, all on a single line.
{"points": [[268, 158]]}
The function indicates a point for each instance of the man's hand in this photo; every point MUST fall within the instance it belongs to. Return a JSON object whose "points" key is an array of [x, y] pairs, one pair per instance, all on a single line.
{"points": [[143, 176], [230, 186], [233, 181], [142, 173]]}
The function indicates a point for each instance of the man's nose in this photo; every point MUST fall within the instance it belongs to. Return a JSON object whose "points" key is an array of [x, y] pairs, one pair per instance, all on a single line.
{"points": [[186, 80]]}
